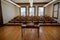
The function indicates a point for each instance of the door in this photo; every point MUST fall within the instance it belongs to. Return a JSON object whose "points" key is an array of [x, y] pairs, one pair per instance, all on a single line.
{"points": [[1, 20]]}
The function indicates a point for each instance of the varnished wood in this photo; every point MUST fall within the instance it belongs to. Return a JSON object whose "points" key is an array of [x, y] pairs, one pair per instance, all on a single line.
{"points": [[14, 33], [1, 19], [33, 3], [45, 21]]}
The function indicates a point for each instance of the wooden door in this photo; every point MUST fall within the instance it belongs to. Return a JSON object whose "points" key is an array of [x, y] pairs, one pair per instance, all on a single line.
{"points": [[1, 20]]}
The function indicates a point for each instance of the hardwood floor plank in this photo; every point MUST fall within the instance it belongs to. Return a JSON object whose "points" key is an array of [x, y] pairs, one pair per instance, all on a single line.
{"points": [[45, 33]]}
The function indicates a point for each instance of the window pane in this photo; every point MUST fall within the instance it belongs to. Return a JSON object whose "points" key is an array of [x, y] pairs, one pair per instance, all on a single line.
{"points": [[40, 11], [56, 8], [55, 14], [23, 11], [31, 11]]}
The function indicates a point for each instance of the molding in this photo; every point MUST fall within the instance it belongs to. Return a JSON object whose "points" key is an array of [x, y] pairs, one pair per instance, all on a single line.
{"points": [[12, 3], [49, 3], [33, 3]]}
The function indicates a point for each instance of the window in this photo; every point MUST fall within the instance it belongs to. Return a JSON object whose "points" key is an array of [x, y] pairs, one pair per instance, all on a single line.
{"points": [[55, 10], [23, 11], [40, 11], [31, 11]]}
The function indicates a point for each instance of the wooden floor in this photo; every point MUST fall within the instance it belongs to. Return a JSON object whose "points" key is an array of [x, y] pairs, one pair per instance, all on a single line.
{"points": [[14, 33]]}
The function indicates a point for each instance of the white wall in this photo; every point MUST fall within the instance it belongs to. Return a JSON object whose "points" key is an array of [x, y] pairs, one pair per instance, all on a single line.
{"points": [[49, 11], [9, 11]]}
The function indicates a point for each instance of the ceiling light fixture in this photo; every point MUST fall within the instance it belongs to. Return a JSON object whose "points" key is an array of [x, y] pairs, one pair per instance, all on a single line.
{"points": [[31, 3]]}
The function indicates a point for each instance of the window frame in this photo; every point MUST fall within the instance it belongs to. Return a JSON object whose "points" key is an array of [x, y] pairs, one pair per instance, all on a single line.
{"points": [[57, 10], [34, 11], [25, 11], [38, 10]]}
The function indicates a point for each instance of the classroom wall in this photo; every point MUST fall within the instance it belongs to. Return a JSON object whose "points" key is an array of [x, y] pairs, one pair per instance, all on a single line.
{"points": [[49, 10], [9, 11]]}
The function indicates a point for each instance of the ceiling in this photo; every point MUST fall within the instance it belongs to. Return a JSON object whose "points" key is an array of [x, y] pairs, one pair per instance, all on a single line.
{"points": [[27, 1]]}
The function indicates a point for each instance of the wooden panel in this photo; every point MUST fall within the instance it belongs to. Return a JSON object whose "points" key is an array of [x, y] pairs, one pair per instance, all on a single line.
{"points": [[1, 21], [33, 3], [14, 33], [25, 1]]}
